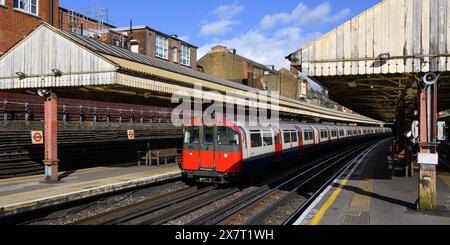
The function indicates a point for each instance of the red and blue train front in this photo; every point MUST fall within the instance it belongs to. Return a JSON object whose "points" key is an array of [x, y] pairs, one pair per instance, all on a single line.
{"points": [[212, 154]]}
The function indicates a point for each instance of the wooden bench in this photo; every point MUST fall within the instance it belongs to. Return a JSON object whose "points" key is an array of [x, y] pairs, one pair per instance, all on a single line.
{"points": [[161, 155]]}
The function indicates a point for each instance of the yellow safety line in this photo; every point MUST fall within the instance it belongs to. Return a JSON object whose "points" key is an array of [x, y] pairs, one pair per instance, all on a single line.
{"points": [[71, 186], [77, 172], [319, 216]]}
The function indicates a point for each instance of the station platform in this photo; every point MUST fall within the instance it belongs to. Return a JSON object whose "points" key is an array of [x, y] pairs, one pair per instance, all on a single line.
{"points": [[18, 195], [370, 194]]}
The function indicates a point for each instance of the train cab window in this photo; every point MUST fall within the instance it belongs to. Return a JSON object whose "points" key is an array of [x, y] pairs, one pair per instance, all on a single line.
{"points": [[287, 136], [208, 135], [191, 135], [294, 137], [255, 138], [227, 136], [267, 139]]}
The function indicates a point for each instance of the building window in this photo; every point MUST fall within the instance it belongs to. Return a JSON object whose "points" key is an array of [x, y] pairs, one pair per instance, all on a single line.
{"points": [[2, 2], [162, 47], [175, 55], [135, 48], [30, 6], [185, 55]]}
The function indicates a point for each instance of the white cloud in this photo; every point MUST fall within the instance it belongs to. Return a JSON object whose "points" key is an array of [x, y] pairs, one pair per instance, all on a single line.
{"points": [[184, 38], [303, 15], [224, 15], [266, 48], [226, 12], [218, 28]]}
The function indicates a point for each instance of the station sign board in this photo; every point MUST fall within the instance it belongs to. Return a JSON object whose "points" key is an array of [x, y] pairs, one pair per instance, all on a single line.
{"points": [[37, 137], [131, 134]]}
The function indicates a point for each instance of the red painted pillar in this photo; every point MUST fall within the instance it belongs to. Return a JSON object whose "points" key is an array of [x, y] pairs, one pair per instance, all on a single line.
{"points": [[428, 156], [51, 138]]}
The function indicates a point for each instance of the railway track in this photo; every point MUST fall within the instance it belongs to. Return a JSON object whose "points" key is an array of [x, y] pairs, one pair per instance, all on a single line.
{"points": [[255, 207], [259, 205]]}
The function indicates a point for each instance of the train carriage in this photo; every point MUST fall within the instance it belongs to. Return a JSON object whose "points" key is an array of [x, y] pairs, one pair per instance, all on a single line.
{"points": [[222, 151]]}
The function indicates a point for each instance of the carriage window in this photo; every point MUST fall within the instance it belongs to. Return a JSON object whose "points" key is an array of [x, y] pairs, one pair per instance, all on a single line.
{"points": [[255, 138], [323, 134], [308, 135], [208, 135], [267, 139], [191, 135], [287, 136], [227, 136], [333, 133], [294, 136], [305, 135], [341, 133]]}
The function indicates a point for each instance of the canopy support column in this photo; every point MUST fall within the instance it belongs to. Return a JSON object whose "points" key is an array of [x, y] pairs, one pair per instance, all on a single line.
{"points": [[51, 138]]}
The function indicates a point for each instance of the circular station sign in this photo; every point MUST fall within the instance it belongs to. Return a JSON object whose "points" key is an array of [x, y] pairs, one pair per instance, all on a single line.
{"points": [[131, 135], [37, 137]]}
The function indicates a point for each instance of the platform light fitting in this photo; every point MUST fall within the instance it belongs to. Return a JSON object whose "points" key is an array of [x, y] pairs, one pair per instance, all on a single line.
{"points": [[21, 75], [43, 92], [56, 72], [384, 56], [430, 79]]}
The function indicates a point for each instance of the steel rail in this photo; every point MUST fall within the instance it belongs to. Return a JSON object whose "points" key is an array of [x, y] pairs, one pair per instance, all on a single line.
{"points": [[261, 216], [299, 211], [217, 216], [150, 205], [188, 208]]}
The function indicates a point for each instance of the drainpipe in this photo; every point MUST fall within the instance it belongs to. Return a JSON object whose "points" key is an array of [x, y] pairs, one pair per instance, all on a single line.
{"points": [[51, 12]]}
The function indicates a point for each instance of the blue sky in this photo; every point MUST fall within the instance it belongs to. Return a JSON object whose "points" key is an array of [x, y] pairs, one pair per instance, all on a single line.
{"points": [[265, 31]]}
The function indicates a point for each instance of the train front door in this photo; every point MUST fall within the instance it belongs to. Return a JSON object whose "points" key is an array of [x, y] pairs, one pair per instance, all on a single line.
{"points": [[207, 148]]}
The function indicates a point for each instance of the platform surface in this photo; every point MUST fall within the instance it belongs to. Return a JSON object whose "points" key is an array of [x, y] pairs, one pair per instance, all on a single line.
{"points": [[31, 192], [370, 194]]}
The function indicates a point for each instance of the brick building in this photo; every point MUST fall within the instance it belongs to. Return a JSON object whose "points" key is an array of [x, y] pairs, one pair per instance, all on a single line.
{"points": [[19, 17], [153, 43], [72, 21], [227, 64], [286, 84]]}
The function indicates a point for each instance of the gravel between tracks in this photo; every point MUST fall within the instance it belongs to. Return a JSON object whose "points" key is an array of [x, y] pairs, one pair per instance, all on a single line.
{"points": [[106, 204]]}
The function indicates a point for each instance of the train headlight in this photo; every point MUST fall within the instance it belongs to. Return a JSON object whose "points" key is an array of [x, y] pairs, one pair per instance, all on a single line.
{"points": [[190, 153], [225, 155]]}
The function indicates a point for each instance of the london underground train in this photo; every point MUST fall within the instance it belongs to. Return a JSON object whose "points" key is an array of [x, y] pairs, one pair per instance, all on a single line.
{"points": [[223, 151]]}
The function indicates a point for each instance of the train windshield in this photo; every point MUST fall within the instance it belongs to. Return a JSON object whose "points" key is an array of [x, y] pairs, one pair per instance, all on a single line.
{"points": [[227, 136], [191, 135]]}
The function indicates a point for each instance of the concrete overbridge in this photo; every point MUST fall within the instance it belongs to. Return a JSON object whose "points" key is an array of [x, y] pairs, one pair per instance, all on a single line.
{"points": [[388, 63]]}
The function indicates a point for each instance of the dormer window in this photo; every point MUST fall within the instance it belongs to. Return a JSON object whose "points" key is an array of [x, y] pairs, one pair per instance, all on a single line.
{"points": [[162, 47]]}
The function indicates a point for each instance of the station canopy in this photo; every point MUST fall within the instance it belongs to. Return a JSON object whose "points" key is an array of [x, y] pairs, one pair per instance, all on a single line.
{"points": [[371, 63], [88, 68]]}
